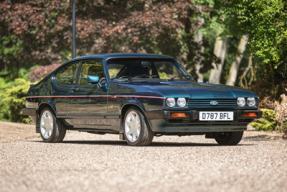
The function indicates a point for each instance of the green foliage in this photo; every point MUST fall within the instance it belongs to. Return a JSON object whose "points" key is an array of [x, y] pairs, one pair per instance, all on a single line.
{"points": [[267, 123], [264, 21], [13, 100], [268, 114]]}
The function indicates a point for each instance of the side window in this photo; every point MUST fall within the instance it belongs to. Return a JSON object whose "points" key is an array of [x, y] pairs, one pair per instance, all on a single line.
{"points": [[93, 68], [67, 74]]}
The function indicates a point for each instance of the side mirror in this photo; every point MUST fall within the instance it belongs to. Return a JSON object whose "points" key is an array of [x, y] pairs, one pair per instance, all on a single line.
{"points": [[93, 79], [195, 79]]}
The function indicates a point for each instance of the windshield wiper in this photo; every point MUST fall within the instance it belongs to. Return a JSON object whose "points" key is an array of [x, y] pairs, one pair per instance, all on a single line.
{"points": [[142, 75], [178, 76]]}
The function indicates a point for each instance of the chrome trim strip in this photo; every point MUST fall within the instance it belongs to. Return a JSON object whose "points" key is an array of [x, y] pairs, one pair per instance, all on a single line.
{"points": [[87, 96]]}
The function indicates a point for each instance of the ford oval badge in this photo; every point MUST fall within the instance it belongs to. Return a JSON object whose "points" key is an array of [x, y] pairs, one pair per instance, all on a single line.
{"points": [[213, 103]]}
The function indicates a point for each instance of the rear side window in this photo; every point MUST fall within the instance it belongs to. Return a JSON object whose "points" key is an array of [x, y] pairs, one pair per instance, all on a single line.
{"points": [[92, 68], [67, 74]]}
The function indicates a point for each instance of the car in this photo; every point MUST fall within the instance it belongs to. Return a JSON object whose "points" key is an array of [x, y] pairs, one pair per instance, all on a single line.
{"points": [[137, 96]]}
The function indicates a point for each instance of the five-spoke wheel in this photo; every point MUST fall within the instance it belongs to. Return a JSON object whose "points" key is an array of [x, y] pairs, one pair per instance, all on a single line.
{"points": [[51, 129], [136, 129], [47, 124]]}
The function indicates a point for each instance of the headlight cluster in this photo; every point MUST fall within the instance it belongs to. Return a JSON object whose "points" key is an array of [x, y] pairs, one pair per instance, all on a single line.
{"points": [[181, 102], [250, 101]]}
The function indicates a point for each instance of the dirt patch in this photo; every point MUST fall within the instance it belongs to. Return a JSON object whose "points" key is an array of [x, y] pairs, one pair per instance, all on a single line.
{"points": [[16, 131]]}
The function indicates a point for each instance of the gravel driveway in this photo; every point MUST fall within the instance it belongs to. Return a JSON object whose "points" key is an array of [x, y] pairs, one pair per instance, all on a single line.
{"points": [[87, 162]]}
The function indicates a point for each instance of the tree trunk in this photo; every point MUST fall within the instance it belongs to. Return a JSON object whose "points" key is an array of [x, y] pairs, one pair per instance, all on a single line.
{"points": [[220, 49], [236, 63], [198, 37]]}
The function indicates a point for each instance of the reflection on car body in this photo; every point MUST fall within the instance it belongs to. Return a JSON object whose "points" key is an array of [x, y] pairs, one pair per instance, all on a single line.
{"points": [[137, 96]]}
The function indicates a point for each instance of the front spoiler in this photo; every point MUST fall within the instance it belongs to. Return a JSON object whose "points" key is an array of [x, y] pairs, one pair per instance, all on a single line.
{"points": [[193, 115], [162, 122]]}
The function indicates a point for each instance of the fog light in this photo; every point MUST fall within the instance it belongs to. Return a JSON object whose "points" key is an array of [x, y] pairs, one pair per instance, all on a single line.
{"points": [[250, 115], [178, 115]]}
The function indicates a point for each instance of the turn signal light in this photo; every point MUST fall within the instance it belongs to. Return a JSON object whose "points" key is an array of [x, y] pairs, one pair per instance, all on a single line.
{"points": [[178, 115], [250, 115]]}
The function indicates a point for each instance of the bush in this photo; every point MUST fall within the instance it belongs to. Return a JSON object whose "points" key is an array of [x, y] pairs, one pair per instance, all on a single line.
{"points": [[267, 123], [274, 118], [14, 100], [41, 72], [281, 110]]}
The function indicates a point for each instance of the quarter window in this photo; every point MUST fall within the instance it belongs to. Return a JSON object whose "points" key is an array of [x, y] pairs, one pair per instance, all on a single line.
{"points": [[67, 74], [91, 68]]}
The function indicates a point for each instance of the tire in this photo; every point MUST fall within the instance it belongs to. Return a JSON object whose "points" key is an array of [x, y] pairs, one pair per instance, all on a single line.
{"points": [[228, 138], [137, 131], [51, 128]]}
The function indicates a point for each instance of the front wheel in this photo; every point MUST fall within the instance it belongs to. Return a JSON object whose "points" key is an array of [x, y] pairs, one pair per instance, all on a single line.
{"points": [[136, 129], [51, 128], [228, 138]]}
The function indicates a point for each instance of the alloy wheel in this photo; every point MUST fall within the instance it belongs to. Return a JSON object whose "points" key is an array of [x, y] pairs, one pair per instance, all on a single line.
{"points": [[132, 126], [47, 124]]}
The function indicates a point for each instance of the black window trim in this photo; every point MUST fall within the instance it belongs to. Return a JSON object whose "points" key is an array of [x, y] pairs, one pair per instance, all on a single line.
{"points": [[69, 63], [80, 68]]}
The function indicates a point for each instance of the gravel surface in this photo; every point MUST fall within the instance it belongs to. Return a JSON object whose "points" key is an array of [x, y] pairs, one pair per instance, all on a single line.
{"points": [[87, 162]]}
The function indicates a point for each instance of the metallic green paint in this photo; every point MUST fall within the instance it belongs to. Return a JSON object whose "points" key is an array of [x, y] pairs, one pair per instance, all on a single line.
{"points": [[99, 107]]}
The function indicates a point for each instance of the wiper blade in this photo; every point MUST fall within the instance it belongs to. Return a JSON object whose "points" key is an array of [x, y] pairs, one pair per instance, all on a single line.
{"points": [[142, 75], [178, 76]]}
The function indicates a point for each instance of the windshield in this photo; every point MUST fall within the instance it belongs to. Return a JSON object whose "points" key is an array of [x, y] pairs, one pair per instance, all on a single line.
{"points": [[145, 68]]}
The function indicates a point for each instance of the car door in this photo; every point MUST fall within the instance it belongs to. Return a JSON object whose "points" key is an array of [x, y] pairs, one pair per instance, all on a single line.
{"points": [[88, 102], [63, 80]]}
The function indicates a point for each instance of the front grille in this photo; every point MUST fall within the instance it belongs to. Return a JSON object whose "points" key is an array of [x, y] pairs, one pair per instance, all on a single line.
{"points": [[205, 103]]}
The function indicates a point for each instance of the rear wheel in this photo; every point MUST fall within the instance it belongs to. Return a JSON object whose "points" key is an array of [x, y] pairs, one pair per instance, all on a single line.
{"points": [[136, 129], [51, 128], [228, 138]]}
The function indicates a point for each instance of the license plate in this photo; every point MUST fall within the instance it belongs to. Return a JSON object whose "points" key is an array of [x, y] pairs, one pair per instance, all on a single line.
{"points": [[216, 116]]}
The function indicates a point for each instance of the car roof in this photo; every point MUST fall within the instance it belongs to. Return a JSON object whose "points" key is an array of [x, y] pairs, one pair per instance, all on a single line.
{"points": [[120, 55]]}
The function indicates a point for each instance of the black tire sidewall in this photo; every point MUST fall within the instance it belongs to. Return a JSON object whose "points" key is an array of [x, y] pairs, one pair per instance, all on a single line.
{"points": [[233, 138]]}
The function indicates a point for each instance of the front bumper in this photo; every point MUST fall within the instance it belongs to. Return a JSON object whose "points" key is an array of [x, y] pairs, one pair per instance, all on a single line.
{"points": [[192, 115], [163, 122]]}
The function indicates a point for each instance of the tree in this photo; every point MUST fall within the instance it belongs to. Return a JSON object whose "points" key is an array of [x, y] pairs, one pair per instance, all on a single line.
{"points": [[264, 22], [220, 50], [236, 63], [40, 31]]}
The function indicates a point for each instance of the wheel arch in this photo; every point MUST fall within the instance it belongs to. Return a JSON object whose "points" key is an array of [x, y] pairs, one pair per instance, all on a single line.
{"points": [[40, 108], [124, 109], [46, 104]]}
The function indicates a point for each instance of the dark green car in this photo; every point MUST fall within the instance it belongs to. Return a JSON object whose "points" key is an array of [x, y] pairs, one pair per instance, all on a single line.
{"points": [[137, 96]]}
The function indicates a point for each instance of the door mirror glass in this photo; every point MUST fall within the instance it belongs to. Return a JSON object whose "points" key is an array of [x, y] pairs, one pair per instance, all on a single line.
{"points": [[93, 79]]}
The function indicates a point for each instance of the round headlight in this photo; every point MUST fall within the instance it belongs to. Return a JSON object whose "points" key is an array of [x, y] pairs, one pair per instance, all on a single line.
{"points": [[170, 102], [251, 102], [240, 101], [181, 102]]}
